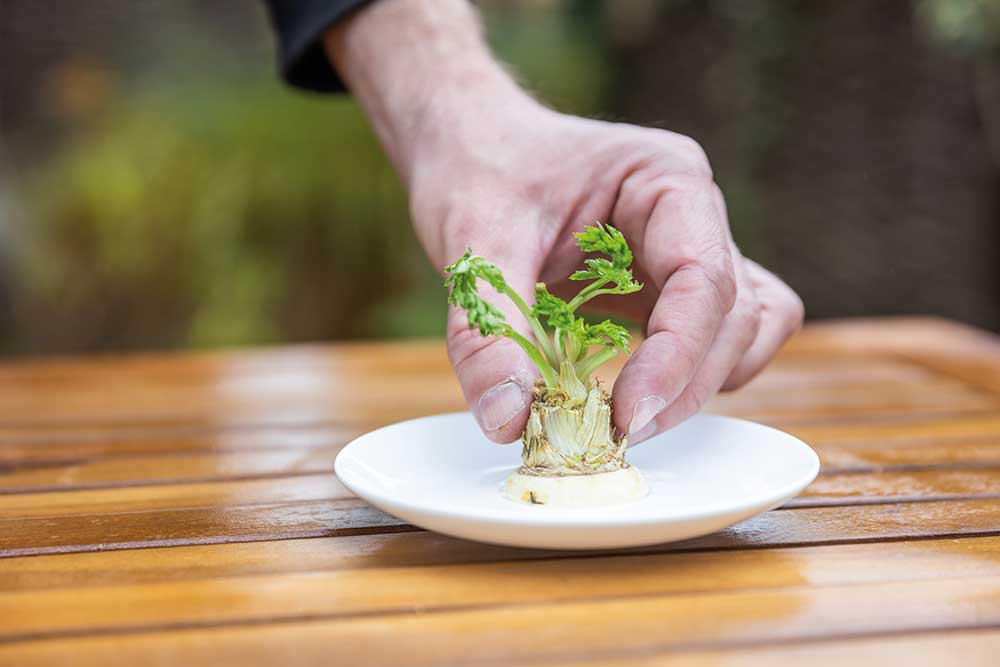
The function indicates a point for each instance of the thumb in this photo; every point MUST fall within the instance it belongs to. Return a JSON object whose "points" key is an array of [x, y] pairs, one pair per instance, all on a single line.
{"points": [[496, 375]]}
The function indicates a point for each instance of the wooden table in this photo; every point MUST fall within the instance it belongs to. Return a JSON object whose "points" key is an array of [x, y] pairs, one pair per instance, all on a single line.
{"points": [[181, 509]]}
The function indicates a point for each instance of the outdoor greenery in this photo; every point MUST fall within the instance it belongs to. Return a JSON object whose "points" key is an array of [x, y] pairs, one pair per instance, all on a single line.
{"points": [[205, 210], [160, 187]]}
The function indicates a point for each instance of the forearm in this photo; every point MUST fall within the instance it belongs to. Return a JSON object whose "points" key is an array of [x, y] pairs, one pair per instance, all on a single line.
{"points": [[421, 69]]}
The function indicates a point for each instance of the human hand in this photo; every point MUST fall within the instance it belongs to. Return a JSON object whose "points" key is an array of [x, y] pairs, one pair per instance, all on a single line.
{"points": [[518, 185], [490, 168]]}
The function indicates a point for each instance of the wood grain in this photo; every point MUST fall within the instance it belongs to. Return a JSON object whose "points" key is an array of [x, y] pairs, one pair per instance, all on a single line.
{"points": [[290, 452], [307, 487], [808, 525], [919, 429], [556, 630], [172, 508], [943, 396], [349, 593], [967, 648], [819, 526], [866, 486], [949, 348], [168, 469], [925, 441], [102, 532], [153, 499], [320, 384], [893, 456], [22, 449]]}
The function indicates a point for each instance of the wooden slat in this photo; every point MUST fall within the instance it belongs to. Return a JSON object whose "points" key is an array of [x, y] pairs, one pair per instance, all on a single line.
{"points": [[960, 453], [303, 397], [317, 384], [239, 559], [113, 431], [284, 451], [33, 614], [287, 386], [25, 448], [798, 372], [969, 354], [894, 485], [222, 460], [394, 357], [939, 396], [100, 532], [169, 469], [840, 488], [803, 367], [573, 630], [974, 648], [91, 502], [300, 506], [79, 461], [927, 429], [75, 464], [69, 534]]}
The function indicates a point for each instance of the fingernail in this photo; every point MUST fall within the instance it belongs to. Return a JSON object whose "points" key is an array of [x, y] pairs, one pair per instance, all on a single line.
{"points": [[644, 412], [500, 404]]}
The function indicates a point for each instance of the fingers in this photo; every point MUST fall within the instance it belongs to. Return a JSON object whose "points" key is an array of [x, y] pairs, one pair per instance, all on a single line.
{"points": [[495, 374], [686, 249], [782, 313], [736, 335], [766, 314]]}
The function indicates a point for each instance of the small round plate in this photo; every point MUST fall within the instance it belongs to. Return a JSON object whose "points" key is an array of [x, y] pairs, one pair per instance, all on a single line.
{"points": [[441, 473]]}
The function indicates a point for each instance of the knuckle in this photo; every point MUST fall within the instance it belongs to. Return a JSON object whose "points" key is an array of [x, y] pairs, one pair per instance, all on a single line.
{"points": [[718, 273], [465, 343], [687, 356], [691, 156], [678, 153]]}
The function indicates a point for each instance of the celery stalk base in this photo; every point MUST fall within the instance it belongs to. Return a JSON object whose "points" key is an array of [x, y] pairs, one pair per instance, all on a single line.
{"points": [[570, 455]]}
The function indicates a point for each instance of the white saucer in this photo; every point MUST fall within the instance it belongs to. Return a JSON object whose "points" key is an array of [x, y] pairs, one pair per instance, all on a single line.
{"points": [[441, 473]]}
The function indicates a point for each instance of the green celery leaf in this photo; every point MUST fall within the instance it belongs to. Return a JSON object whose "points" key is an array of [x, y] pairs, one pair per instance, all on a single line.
{"points": [[609, 241], [608, 334], [552, 307], [461, 280]]}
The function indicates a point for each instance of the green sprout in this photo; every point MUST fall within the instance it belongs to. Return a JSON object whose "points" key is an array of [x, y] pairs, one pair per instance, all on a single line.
{"points": [[566, 344]]}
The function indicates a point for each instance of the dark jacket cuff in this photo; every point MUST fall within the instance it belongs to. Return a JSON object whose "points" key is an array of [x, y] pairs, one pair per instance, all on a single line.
{"points": [[300, 26]]}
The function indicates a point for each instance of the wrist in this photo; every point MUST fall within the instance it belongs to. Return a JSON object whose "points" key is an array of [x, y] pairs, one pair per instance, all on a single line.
{"points": [[436, 85], [482, 112]]}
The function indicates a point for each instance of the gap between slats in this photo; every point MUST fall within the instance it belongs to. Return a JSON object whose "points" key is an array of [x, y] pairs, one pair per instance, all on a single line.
{"points": [[88, 533]]}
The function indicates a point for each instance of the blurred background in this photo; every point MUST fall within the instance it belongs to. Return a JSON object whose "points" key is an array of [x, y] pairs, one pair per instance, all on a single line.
{"points": [[161, 188]]}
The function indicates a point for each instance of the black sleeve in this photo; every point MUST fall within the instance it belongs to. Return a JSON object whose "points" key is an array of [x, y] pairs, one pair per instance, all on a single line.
{"points": [[300, 25]]}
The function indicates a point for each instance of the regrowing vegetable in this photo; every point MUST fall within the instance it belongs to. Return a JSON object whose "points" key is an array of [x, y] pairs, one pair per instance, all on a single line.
{"points": [[569, 432]]}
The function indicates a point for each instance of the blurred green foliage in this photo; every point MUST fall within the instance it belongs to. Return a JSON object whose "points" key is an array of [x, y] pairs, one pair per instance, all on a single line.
{"points": [[217, 213], [972, 25], [197, 211]]}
